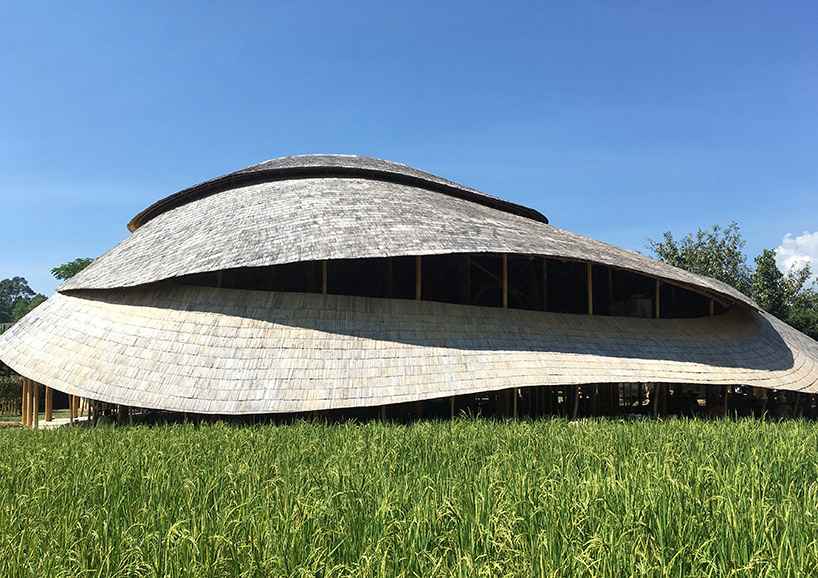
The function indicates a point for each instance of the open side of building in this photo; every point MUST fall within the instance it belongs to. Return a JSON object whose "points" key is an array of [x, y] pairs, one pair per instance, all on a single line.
{"points": [[326, 283]]}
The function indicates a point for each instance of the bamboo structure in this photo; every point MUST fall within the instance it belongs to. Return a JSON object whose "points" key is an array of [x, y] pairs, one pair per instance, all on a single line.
{"points": [[329, 282]]}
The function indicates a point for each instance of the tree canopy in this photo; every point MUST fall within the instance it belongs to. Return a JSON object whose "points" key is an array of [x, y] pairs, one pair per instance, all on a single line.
{"points": [[16, 299], [717, 253], [68, 270]]}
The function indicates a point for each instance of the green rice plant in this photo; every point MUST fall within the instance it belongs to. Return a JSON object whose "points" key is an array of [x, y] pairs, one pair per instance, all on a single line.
{"points": [[468, 497]]}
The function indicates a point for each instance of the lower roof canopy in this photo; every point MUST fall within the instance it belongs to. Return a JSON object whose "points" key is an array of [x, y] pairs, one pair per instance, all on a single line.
{"points": [[224, 351]]}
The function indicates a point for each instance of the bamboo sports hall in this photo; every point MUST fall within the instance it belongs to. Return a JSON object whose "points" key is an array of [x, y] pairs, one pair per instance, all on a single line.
{"points": [[349, 286]]}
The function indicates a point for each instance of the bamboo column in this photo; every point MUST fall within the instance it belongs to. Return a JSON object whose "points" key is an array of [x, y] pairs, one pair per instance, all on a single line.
{"points": [[49, 403], [35, 406], [417, 278], [390, 278], [657, 299], [505, 282], [544, 284], [24, 402]]}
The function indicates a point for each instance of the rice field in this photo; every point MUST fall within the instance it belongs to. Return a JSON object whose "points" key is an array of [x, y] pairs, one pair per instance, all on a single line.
{"points": [[469, 497]]}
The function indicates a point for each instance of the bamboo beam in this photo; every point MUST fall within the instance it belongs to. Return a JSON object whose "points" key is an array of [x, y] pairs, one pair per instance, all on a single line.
{"points": [[590, 289], [417, 278], [505, 282], [49, 403], [324, 276], [657, 299]]}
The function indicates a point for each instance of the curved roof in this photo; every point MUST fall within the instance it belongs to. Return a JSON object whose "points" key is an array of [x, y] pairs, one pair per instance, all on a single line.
{"points": [[322, 166], [287, 218], [226, 351]]}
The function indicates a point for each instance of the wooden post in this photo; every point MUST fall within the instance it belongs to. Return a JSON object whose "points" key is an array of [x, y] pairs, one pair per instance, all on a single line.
{"points": [[324, 276], [576, 402], [515, 392], [417, 278], [464, 278], [590, 290], [655, 399], [23, 400], [712, 306], [544, 284], [451, 407], [390, 278], [726, 393], [219, 279], [417, 410], [35, 405], [49, 403], [383, 413], [71, 409], [657, 299], [505, 285], [610, 288], [26, 403], [594, 395]]}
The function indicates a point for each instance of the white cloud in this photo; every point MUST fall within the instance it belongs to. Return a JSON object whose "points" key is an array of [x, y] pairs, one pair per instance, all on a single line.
{"points": [[798, 251]]}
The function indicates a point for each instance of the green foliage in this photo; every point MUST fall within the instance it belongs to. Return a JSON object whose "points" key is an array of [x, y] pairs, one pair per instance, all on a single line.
{"points": [[461, 498], [785, 296], [10, 394], [716, 253], [68, 270], [16, 298]]}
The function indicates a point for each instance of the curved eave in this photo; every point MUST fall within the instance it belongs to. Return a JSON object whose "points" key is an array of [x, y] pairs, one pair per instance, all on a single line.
{"points": [[206, 350], [311, 166], [315, 219]]}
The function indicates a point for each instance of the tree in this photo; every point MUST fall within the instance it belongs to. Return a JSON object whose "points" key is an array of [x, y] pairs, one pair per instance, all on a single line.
{"points": [[22, 307], [716, 253], [68, 270], [13, 292]]}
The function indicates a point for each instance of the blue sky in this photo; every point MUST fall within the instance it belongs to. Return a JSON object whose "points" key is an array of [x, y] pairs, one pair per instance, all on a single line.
{"points": [[618, 120]]}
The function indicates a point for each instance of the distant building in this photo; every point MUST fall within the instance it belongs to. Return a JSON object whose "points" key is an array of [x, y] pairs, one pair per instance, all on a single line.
{"points": [[330, 282]]}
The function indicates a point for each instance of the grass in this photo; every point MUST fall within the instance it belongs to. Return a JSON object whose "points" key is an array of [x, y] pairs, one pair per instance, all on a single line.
{"points": [[56, 414], [461, 498]]}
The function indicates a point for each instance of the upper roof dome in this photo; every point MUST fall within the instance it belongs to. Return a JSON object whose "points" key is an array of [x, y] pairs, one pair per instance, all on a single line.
{"points": [[326, 207], [310, 166]]}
